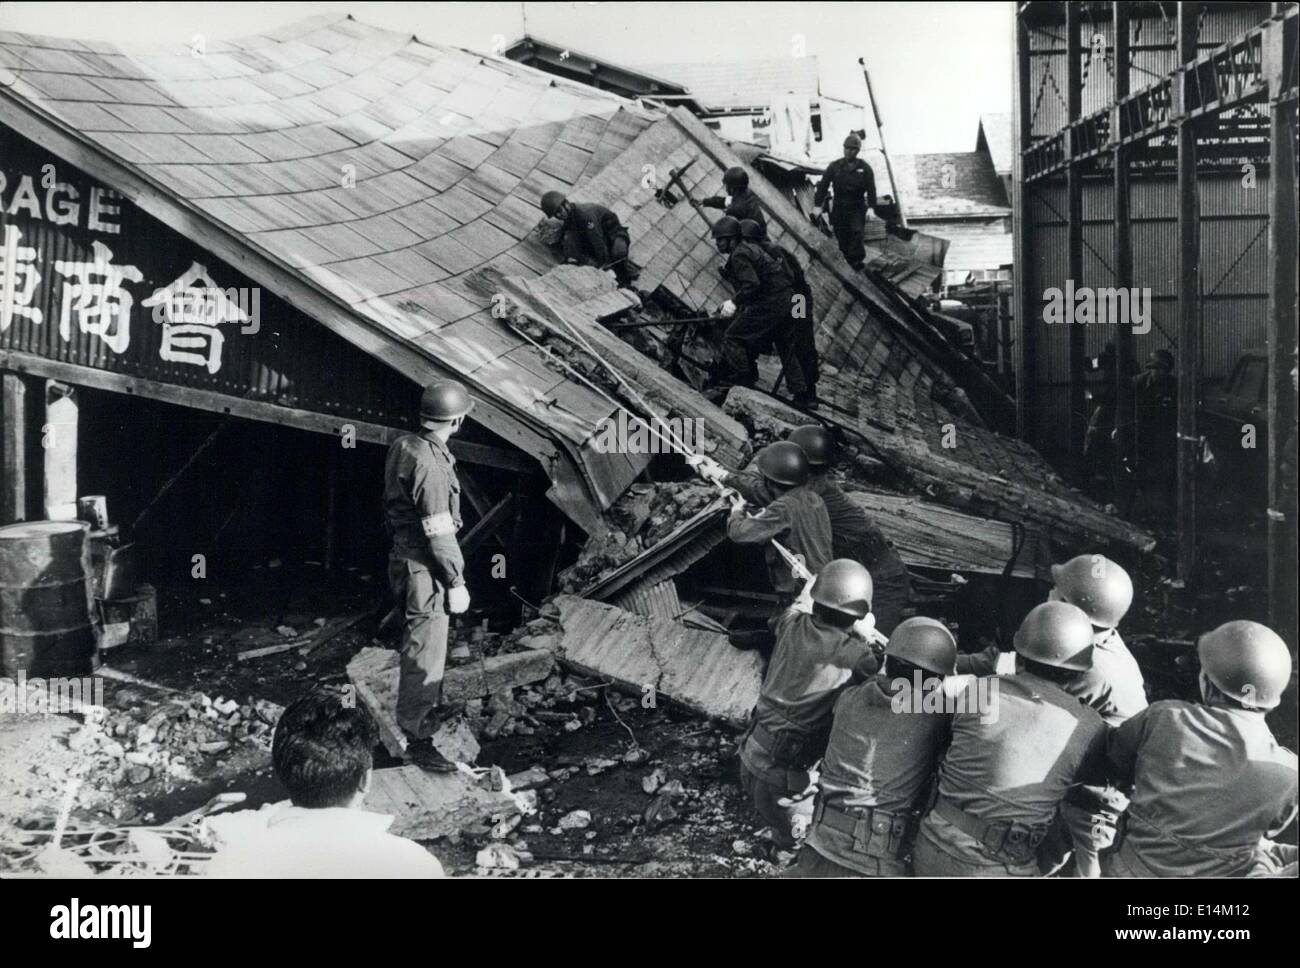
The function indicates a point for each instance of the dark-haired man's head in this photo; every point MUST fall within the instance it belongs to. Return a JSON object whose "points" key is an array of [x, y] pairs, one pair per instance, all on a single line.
{"points": [[323, 750]]}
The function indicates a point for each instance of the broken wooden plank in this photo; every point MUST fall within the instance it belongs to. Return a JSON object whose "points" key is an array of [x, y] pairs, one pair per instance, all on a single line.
{"points": [[695, 668], [425, 806], [374, 673]]}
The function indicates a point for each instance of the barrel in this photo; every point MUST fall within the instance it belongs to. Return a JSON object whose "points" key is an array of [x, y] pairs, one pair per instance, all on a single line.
{"points": [[45, 600]]}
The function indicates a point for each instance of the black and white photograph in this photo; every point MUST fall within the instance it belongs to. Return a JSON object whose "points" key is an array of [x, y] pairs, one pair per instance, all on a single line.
{"points": [[649, 441]]}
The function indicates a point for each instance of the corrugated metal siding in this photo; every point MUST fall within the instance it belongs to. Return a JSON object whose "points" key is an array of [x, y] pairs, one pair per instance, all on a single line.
{"points": [[290, 360]]}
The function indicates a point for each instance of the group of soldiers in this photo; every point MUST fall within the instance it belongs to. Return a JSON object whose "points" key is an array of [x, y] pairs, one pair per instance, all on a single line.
{"points": [[990, 764], [772, 303]]}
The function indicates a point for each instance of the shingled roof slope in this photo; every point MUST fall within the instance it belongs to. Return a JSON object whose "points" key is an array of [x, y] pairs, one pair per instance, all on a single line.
{"points": [[950, 184]]}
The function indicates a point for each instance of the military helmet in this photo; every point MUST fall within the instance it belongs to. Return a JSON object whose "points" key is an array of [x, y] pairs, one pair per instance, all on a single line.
{"points": [[925, 643], [784, 463], [734, 179], [1160, 359], [845, 586], [551, 202], [1247, 661], [815, 442], [1056, 634], [444, 401], [752, 231], [1097, 585], [726, 228], [852, 141]]}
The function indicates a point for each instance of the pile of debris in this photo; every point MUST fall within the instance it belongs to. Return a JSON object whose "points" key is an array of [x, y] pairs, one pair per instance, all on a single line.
{"points": [[640, 519]]}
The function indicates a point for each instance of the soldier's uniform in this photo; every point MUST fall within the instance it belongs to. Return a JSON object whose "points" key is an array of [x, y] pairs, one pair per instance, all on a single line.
{"points": [[877, 771], [788, 731], [802, 321], [797, 519], [1001, 781], [594, 235], [854, 535], [763, 297], [422, 512], [744, 205], [1208, 783], [854, 186]]}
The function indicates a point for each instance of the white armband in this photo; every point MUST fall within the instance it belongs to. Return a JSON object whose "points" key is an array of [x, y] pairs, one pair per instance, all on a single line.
{"points": [[436, 524]]}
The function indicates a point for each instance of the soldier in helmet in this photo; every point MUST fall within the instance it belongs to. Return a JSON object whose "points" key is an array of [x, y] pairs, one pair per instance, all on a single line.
{"points": [[884, 748], [743, 203], [760, 311], [815, 655], [802, 324], [592, 235], [853, 533], [853, 185], [790, 511], [425, 567], [1008, 768], [1208, 779]]}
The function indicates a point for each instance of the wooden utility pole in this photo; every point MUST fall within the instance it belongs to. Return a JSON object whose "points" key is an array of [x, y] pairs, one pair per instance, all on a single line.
{"points": [[1078, 400], [1123, 258], [1189, 300], [880, 130], [1281, 333], [1026, 345], [15, 445]]}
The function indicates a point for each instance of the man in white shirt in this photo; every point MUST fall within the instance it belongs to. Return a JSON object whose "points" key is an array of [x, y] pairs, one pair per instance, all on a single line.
{"points": [[322, 753]]}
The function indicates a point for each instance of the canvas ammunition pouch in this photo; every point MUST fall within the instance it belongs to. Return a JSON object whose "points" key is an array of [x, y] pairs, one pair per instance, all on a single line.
{"points": [[875, 833], [790, 749], [1006, 840]]}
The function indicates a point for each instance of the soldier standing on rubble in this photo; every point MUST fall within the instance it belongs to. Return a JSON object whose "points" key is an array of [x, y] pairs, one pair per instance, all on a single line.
{"points": [[877, 774], [761, 309], [815, 655], [744, 204], [425, 566], [801, 313], [853, 533], [1209, 780], [1008, 768], [853, 184], [592, 235]]}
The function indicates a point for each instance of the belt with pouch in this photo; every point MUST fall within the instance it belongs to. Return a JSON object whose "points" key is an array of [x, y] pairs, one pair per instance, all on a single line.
{"points": [[876, 833], [1007, 840]]}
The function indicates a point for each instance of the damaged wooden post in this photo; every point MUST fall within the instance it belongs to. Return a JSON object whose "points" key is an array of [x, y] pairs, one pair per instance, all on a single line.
{"points": [[15, 445], [59, 442]]}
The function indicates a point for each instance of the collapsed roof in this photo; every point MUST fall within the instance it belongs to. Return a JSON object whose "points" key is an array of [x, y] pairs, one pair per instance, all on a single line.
{"points": [[383, 184]]}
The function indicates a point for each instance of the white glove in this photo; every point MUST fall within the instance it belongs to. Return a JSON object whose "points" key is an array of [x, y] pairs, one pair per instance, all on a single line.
{"points": [[457, 599], [1006, 664], [804, 602], [866, 628], [728, 309], [707, 468], [737, 502]]}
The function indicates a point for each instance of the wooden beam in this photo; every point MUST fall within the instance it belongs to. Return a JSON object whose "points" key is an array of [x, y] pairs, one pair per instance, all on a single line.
{"points": [[59, 443], [1123, 258], [1281, 332], [468, 451], [487, 524], [1189, 302], [1026, 345], [1078, 367], [15, 442]]}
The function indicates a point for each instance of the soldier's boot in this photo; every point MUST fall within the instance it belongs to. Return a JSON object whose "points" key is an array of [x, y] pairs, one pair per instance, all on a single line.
{"points": [[426, 756]]}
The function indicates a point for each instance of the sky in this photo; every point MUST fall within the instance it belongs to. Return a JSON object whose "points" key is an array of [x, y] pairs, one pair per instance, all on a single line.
{"points": [[935, 67]]}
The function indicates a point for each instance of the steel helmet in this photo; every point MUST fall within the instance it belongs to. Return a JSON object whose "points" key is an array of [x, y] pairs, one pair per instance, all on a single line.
{"points": [[815, 443], [726, 227], [1161, 360], [784, 463], [551, 202], [1056, 634], [845, 586], [852, 141], [734, 179], [1247, 661], [1097, 585], [752, 231], [444, 401], [926, 643]]}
